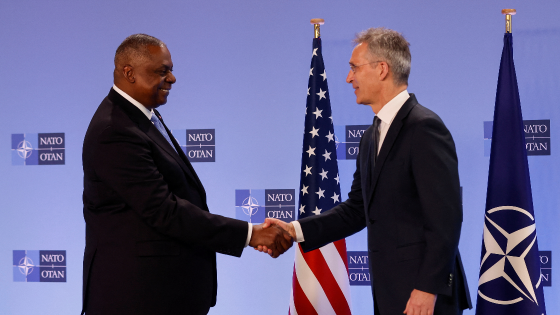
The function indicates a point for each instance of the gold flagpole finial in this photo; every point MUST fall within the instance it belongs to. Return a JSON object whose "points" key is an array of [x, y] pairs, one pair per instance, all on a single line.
{"points": [[508, 13], [317, 23]]}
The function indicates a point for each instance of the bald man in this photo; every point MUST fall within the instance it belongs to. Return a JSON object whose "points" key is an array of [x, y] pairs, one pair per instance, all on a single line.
{"points": [[151, 241]]}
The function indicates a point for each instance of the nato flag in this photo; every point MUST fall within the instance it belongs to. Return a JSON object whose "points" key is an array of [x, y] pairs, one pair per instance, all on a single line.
{"points": [[509, 281]]}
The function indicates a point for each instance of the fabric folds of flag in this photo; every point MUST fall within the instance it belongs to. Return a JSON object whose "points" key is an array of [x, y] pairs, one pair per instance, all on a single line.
{"points": [[320, 282], [509, 281]]}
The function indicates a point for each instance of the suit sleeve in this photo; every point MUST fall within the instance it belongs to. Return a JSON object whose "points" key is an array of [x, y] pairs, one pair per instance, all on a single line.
{"points": [[341, 221], [124, 161], [435, 171]]}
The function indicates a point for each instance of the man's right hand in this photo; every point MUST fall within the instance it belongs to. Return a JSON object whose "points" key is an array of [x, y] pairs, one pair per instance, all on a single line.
{"points": [[288, 227], [274, 239], [270, 222]]}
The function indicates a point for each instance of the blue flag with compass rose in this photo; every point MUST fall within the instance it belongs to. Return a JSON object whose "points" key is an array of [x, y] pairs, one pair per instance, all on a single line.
{"points": [[510, 278]]}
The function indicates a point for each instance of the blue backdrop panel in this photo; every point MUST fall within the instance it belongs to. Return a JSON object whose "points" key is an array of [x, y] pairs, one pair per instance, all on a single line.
{"points": [[242, 69]]}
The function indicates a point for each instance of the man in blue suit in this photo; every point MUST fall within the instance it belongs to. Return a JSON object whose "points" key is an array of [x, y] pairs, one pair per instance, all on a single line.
{"points": [[405, 190]]}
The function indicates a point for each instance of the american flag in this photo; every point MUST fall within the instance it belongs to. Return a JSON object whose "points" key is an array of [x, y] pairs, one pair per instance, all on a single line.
{"points": [[320, 282]]}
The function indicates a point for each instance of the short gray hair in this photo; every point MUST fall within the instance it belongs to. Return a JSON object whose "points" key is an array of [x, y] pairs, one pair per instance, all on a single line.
{"points": [[390, 46], [135, 47]]}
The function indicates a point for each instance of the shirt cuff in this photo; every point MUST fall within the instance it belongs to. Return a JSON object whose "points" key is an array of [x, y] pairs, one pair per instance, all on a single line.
{"points": [[299, 232], [249, 234]]}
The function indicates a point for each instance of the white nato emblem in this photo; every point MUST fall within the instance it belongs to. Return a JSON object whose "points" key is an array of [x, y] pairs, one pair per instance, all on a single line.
{"points": [[250, 206], [26, 265], [336, 142], [24, 149], [498, 270]]}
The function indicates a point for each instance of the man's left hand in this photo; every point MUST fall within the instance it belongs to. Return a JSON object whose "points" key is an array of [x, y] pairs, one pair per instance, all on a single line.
{"points": [[420, 303]]}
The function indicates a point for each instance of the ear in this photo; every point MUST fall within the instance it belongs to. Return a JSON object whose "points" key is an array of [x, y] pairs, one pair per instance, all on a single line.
{"points": [[128, 73], [384, 72]]}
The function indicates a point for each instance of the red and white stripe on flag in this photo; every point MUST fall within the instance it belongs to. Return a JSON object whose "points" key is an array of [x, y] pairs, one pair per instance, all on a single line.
{"points": [[320, 282]]}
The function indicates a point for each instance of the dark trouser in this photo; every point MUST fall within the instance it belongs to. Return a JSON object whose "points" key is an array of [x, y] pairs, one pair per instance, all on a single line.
{"points": [[441, 308], [203, 312]]}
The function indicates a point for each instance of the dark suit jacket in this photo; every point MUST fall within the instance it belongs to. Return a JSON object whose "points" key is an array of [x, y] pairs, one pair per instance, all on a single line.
{"points": [[151, 242], [411, 204]]}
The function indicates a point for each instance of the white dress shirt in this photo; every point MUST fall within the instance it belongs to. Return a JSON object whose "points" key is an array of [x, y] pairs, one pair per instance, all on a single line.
{"points": [[386, 115], [149, 114], [134, 102]]}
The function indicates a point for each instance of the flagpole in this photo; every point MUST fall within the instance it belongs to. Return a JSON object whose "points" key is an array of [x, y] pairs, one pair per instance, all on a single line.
{"points": [[317, 23], [320, 281], [509, 278], [508, 13]]}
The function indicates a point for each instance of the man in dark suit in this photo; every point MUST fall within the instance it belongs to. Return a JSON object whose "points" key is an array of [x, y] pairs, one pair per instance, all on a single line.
{"points": [[405, 190], [151, 241]]}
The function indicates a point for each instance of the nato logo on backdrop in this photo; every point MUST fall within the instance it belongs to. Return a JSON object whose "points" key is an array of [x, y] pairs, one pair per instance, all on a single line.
{"points": [[254, 205], [348, 146], [358, 268], [546, 267], [198, 144], [38, 149], [39, 265], [537, 136]]}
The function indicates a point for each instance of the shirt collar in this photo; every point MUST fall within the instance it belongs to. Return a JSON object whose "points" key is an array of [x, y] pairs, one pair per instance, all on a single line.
{"points": [[390, 110], [134, 102]]}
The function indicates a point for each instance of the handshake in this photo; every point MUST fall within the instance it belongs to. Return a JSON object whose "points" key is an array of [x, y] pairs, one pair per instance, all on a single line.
{"points": [[273, 237]]}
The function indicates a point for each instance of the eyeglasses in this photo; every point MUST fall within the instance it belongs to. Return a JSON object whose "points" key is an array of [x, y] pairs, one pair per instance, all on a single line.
{"points": [[353, 67]]}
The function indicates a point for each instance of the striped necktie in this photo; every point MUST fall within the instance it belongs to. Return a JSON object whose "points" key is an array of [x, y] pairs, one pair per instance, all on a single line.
{"points": [[155, 120]]}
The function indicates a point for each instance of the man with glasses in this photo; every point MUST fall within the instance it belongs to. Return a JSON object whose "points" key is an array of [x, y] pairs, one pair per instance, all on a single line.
{"points": [[405, 190]]}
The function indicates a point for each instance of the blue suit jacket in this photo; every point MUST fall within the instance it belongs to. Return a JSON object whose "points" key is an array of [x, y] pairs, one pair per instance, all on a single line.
{"points": [[411, 204]]}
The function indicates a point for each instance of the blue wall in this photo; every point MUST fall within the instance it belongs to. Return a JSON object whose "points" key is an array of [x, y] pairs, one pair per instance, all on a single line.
{"points": [[242, 69]]}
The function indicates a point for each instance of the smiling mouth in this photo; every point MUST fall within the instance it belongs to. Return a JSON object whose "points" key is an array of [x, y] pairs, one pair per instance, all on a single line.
{"points": [[164, 90]]}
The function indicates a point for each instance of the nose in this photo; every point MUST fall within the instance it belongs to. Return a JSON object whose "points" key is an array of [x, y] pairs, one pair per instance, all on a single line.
{"points": [[350, 76], [171, 78]]}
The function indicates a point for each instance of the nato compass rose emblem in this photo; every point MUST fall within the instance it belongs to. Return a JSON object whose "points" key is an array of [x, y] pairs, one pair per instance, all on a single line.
{"points": [[250, 207], [26, 266], [505, 276], [336, 141], [24, 149]]}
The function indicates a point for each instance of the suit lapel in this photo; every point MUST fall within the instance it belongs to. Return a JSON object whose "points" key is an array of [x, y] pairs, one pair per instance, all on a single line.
{"points": [[151, 131], [183, 160], [389, 141]]}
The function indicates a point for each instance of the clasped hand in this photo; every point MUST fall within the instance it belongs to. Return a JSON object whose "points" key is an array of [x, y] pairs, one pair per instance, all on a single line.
{"points": [[270, 238], [280, 244]]}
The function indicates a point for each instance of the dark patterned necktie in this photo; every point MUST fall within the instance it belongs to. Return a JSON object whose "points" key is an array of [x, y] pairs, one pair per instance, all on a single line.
{"points": [[373, 150], [376, 123]]}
